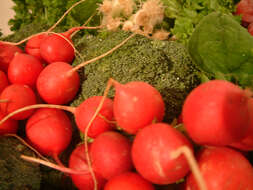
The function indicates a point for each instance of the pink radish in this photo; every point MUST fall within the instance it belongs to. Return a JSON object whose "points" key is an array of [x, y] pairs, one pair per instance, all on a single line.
{"points": [[24, 69], [7, 52], [16, 97], [222, 169], [78, 162], [57, 84], [9, 126], [49, 131], [137, 104], [83, 114], [3, 81], [217, 113], [32, 46], [151, 154], [128, 181], [111, 154]]}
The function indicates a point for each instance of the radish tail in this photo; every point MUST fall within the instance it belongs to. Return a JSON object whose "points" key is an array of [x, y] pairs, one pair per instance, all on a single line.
{"points": [[193, 164]]}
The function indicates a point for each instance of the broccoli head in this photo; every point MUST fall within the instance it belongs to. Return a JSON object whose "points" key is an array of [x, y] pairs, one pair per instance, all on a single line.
{"points": [[164, 64]]}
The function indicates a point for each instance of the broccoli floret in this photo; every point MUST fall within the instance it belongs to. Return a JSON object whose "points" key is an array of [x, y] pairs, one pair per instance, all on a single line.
{"points": [[164, 64], [16, 173]]}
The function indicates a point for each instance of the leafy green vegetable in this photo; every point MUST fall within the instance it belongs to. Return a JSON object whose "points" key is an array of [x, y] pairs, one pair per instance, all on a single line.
{"points": [[49, 11], [222, 47], [188, 13], [164, 64]]}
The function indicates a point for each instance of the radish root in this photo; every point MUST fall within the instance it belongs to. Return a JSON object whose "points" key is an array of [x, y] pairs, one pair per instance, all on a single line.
{"points": [[193, 164], [52, 165], [66, 108]]}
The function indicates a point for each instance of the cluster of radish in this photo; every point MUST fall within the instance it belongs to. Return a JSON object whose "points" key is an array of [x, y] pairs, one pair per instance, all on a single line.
{"points": [[245, 9]]}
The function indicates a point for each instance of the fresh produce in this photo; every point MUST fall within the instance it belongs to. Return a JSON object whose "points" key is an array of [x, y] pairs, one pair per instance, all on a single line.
{"points": [[151, 151], [24, 69], [245, 9], [222, 169], [9, 126], [16, 96], [227, 53], [110, 154], [49, 131], [78, 161], [7, 52], [57, 84], [4, 82], [128, 180], [219, 119]]}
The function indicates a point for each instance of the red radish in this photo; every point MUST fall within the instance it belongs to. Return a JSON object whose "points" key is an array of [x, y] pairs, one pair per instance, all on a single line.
{"points": [[57, 83], [128, 181], [111, 154], [136, 105], [78, 162], [250, 28], [151, 154], [24, 69], [49, 131], [245, 8], [17, 96], [85, 111], [217, 113], [32, 46], [222, 169], [9, 126], [3, 81], [7, 52]]}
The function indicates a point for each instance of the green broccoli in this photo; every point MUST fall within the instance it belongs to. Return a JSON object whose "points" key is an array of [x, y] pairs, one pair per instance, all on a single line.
{"points": [[164, 64]]}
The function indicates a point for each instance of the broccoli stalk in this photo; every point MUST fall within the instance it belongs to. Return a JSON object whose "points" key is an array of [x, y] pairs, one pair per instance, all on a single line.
{"points": [[164, 64]]}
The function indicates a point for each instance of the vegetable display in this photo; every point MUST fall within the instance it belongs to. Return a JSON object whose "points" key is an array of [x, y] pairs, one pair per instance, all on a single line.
{"points": [[127, 94]]}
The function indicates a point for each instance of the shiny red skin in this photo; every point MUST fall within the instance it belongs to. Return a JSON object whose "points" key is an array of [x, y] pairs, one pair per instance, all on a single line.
{"points": [[49, 131], [85, 111], [24, 69], [18, 96], [7, 52], [128, 181], [245, 8], [136, 105], [3, 81], [55, 48], [216, 113], [77, 161], [8, 127], [32, 46], [250, 29], [56, 85], [151, 151], [222, 169], [111, 154]]}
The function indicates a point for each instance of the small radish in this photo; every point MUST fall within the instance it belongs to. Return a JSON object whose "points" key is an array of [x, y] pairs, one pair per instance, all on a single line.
{"points": [[7, 52], [57, 84], [110, 154], [49, 131], [151, 154], [24, 69], [9, 126], [78, 162], [217, 113], [17, 96], [83, 114], [136, 105], [32, 46], [222, 169], [128, 181], [3, 81], [250, 28], [245, 8]]}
